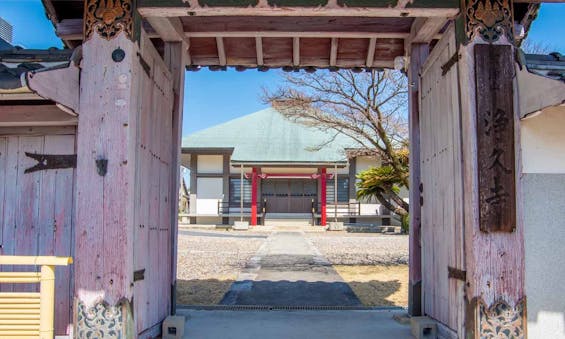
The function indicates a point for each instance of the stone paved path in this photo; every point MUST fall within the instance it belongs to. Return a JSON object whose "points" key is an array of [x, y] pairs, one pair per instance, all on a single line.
{"points": [[289, 271]]}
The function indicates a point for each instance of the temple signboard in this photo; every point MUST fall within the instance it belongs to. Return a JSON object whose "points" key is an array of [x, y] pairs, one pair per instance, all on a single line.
{"points": [[495, 137]]}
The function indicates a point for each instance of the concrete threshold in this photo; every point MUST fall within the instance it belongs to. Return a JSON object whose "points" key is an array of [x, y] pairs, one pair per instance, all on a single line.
{"points": [[358, 324]]}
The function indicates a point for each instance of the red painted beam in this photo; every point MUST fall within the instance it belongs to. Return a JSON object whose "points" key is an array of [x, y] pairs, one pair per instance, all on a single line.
{"points": [[323, 217], [254, 197]]}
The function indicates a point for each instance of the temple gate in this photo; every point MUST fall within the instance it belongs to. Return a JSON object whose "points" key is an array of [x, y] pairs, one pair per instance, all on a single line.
{"points": [[467, 233]]}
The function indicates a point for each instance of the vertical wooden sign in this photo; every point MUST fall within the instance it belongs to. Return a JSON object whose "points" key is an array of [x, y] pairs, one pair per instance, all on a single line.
{"points": [[494, 69]]}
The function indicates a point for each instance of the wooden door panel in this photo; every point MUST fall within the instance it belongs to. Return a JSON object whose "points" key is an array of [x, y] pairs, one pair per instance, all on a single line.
{"points": [[442, 177], [38, 212]]}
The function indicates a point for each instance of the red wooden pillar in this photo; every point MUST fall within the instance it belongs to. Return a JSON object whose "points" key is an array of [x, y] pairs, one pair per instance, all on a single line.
{"points": [[323, 193], [254, 197]]}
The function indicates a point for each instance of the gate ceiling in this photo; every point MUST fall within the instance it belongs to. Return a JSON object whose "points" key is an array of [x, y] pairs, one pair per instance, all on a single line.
{"points": [[281, 33]]}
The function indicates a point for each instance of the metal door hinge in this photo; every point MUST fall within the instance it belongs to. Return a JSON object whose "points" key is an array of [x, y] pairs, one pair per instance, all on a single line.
{"points": [[455, 273], [51, 161], [452, 61]]}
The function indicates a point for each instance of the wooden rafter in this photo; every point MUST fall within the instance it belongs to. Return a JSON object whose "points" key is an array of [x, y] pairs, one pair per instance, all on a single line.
{"points": [[333, 51], [296, 51], [69, 29], [259, 49], [221, 51], [371, 52]]}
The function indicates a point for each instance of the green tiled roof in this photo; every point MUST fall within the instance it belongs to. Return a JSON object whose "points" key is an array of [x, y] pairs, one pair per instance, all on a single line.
{"points": [[268, 137]]}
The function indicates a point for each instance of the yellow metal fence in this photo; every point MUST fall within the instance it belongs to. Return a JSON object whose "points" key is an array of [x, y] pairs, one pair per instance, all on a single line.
{"points": [[29, 314]]}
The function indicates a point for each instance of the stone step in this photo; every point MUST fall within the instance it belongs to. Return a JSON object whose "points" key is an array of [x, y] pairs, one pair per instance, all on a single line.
{"points": [[287, 222]]}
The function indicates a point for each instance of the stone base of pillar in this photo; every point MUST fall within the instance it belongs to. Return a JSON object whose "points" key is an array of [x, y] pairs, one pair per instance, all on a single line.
{"points": [[104, 321]]}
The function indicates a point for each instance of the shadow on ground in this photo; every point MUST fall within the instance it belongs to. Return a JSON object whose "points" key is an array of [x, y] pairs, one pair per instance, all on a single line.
{"points": [[202, 291], [286, 293]]}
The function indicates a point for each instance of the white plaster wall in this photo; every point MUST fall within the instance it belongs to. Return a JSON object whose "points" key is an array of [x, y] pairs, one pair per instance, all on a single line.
{"points": [[543, 183], [371, 209], [543, 141], [208, 194], [213, 164], [544, 220], [365, 162]]}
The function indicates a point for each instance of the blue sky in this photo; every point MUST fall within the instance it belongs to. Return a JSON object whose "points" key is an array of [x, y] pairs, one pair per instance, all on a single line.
{"points": [[215, 97]]}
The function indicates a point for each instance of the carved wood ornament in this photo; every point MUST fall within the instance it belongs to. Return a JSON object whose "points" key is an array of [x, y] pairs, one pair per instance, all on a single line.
{"points": [[490, 19], [501, 320], [108, 18]]}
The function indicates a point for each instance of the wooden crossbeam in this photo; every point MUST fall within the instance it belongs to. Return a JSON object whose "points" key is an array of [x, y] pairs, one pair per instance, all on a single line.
{"points": [[259, 49], [72, 29], [155, 8], [333, 51], [221, 50], [296, 51]]}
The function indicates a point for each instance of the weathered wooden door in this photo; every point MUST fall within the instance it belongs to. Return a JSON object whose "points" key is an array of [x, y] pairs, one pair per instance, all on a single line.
{"points": [[36, 208], [289, 195], [442, 233]]}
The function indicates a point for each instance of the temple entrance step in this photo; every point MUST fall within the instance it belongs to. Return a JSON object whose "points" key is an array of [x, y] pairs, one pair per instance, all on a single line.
{"points": [[288, 219]]}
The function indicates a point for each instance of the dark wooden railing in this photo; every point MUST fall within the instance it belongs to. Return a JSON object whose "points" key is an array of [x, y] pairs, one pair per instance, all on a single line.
{"points": [[343, 208], [227, 207]]}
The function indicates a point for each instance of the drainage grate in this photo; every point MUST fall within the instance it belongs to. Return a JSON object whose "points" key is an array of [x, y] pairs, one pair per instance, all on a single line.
{"points": [[286, 308]]}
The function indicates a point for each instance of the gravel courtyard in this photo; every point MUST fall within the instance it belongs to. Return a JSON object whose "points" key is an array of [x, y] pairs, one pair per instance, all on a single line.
{"points": [[374, 265], [209, 261], [342, 248]]}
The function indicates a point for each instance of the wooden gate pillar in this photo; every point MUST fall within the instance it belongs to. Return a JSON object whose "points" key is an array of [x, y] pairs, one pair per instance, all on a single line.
{"points": [[105, 172], [175, 58], [494, 232], [418, 54]]}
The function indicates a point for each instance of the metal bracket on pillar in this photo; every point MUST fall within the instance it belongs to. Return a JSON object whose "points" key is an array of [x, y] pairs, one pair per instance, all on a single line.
{"points": [[102, 167], [139, 275]]}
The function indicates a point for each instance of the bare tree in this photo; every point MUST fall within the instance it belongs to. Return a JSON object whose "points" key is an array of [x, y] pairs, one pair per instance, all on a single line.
{"points": [[369, 107], [535, 47]]}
